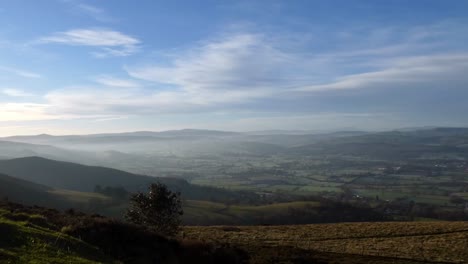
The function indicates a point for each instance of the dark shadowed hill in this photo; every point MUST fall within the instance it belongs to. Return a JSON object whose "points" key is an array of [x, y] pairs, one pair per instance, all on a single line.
{"points": [[69, 175], [72, 176], [24, 191]]}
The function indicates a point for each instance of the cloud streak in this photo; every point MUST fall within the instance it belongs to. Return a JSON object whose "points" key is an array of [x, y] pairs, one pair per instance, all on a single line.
{"points": [[93, 11], [116, 82], [20, 72], [110, 42], [433, 70], [236, 62]]}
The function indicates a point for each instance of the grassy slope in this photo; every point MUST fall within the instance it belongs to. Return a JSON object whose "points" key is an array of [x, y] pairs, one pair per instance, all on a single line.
{"points": [[423, 241], [24, 242]]}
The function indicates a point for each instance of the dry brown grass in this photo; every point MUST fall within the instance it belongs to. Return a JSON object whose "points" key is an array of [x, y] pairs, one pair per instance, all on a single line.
{"points": [[445, 242]]}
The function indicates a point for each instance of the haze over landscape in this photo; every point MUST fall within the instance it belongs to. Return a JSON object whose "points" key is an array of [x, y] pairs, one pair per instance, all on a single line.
{"points": [[233, 131]]}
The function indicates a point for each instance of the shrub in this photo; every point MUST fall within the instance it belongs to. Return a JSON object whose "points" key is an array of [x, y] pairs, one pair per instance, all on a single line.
{"points": [[160, 210]]}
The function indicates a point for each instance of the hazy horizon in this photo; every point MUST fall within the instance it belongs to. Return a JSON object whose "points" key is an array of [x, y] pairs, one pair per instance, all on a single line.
{"points": [[87, 67], [269, 131]]}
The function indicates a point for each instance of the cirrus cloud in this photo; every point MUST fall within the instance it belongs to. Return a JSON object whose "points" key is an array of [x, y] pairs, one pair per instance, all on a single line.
{"points": [[110, 42], [116, 82], [21, 72], [236, 62]]}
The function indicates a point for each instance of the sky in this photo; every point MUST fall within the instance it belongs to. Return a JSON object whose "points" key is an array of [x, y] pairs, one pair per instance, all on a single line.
{"points": [[95, 66]]}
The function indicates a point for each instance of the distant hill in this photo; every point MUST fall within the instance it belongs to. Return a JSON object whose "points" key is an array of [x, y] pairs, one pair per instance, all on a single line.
{"points": [[17, 149], [72, 176], [138, 151], [10, 149], [138, 135]]}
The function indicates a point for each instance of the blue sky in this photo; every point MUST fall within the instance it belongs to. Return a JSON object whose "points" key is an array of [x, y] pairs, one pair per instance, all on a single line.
{"points": [[76, 67]]}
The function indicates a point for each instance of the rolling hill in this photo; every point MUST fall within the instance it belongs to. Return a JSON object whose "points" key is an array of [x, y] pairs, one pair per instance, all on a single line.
{"points": [[67, 175], [29, 193], [82, 178], [11, 149]]}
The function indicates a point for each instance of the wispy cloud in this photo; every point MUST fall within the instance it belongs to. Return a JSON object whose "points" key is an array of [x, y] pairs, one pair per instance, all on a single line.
{"points": [[116, 102], [116, 82], [20, 72], [431, 70], [109, 42], [236, 62], [15, 92], [93, 11]]}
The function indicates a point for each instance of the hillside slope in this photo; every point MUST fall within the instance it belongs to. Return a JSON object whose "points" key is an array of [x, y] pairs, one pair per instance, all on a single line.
{"points": [[68, 175], [40, 235], [77, 177], [26, 192]]}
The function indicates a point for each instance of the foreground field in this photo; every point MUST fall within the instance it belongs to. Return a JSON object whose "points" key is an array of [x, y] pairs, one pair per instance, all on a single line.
{"points": [[428, 242]]}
